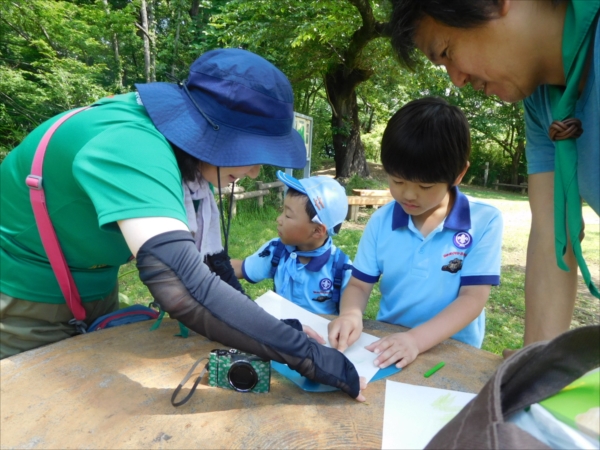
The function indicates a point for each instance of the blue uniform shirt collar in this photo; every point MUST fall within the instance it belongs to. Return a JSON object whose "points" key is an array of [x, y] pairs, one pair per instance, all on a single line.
{"points": [[460, 215], [458, 219], [316, 263]]}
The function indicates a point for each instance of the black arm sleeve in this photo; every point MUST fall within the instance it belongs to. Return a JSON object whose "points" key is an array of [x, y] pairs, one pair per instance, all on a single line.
{"points": [[220, 264], [171, 267]]}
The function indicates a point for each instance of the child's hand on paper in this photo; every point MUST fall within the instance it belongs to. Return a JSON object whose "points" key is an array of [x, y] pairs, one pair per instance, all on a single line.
{"points": [[399, 348], [345, 330], [313, 334]]}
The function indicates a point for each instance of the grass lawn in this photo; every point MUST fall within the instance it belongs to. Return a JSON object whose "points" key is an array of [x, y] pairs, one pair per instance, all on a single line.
{"points": [[505, 309]]}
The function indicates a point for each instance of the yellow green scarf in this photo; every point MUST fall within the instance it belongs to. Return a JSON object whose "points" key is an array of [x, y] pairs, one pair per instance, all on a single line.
{"points": [[578, 36]]}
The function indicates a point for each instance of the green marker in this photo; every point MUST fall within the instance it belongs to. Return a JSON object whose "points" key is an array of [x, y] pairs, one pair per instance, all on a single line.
{"points": [[434, 369]]}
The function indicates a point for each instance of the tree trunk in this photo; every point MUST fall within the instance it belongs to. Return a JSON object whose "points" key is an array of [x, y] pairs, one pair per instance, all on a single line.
{"points": [[515, 162], [117, 57], [146, 39], [152, 33], [195, 8], [371, 115], [345, 125], [176, 43]]}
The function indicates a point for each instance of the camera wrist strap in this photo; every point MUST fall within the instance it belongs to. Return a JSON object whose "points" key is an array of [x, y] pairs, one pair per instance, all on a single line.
{"points": [[185, 379]]}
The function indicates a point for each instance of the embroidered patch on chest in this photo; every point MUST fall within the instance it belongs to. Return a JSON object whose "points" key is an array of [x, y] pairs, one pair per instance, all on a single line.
{"points": [[462, 239], [325, 284]]}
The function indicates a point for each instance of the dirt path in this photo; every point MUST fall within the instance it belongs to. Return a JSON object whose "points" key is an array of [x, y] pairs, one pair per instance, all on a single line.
{"points": [[376, 170]]}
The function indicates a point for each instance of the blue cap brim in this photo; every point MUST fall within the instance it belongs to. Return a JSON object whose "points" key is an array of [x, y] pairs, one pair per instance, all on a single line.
{"points": [[290, 181]]}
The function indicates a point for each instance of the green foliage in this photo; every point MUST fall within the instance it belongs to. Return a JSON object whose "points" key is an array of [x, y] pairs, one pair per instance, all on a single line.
{"points": [[311, 41], [319, 110], [59, 54], [357, 182], [497, 128], [372, 142], [505, 311]]}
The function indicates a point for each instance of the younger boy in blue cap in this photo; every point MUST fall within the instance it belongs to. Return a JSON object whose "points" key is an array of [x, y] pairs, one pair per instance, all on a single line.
{"points": [[438, 250], [306, 267]]}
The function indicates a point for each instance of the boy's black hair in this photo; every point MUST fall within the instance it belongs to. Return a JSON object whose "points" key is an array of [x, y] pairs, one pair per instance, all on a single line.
{"points": [[427, 140], [309, 207], [407, 14]]}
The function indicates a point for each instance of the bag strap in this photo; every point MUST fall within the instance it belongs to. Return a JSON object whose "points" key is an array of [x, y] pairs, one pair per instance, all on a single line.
{"points": [[339, 267], [47, 233], [277, 254]]}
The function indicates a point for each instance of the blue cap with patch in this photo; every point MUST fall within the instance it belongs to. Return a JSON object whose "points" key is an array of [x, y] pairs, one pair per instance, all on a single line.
{"points": [[326, 195]]}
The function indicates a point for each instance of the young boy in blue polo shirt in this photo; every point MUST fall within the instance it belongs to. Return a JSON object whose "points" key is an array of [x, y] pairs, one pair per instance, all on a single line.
{"points": [[436, 250], [306, 267]]}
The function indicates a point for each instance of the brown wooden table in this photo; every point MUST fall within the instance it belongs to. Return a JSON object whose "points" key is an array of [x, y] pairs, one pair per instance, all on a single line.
{"points": [[112, 389]]}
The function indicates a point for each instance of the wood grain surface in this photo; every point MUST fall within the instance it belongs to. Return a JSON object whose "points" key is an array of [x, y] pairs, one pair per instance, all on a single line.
{"points": [[111, 389]]}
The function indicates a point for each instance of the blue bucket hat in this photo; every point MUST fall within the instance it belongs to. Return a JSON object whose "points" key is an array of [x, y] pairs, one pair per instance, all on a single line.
{"points": [[326, 195], [235, 109]]}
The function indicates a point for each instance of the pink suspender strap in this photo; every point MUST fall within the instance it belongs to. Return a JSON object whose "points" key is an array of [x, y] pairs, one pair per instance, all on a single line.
{"points": [[44, 224]]}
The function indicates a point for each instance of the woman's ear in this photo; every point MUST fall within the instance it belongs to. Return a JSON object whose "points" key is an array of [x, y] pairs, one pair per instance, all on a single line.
{"points": [[461, 175]]}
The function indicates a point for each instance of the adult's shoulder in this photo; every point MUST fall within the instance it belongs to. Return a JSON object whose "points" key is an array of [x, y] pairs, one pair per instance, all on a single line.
{"points": [[122, 121]]}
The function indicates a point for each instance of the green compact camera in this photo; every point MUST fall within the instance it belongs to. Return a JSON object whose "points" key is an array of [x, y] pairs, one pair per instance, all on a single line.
{"points": [[242, 372]]}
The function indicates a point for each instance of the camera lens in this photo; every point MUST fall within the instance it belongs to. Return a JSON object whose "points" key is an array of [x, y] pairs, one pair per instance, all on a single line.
{"points": [[242, 376]]}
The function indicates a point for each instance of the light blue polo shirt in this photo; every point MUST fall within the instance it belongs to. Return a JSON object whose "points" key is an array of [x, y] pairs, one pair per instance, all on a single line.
{"points": [[422, 276], [313, 286], [540, 149]]}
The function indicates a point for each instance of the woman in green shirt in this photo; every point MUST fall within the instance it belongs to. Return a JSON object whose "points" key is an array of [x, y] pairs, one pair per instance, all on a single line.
{"points": [[130, 178]]}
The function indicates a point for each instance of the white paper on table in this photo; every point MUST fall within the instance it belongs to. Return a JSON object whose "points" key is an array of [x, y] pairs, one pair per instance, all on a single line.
{"points": [[414, 414], [281, 308]]}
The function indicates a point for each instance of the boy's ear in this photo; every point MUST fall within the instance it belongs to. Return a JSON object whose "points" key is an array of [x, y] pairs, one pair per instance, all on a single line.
{"points": [[320, 231], [503, 7], [461, 175]]}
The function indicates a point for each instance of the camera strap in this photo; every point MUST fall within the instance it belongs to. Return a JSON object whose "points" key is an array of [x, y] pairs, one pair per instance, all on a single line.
{"points": [[185, 379]]}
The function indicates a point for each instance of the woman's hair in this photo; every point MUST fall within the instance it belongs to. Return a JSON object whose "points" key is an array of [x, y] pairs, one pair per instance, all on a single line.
{"points": [[407, 14], [428, 141], [188, 164], [309, 207]]}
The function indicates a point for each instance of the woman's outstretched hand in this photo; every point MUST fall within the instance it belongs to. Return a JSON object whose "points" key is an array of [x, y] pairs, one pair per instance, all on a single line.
{"points": [[363, 386], [317, 337]]}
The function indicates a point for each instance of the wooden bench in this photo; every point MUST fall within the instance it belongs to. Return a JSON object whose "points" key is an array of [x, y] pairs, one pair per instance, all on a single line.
{"points": [[372, 192], [263, 189], [356, 201], [522, 186]]}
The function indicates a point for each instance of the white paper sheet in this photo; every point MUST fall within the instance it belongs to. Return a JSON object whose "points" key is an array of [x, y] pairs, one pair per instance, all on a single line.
{"points": [[414, 414], [281, 308]]}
